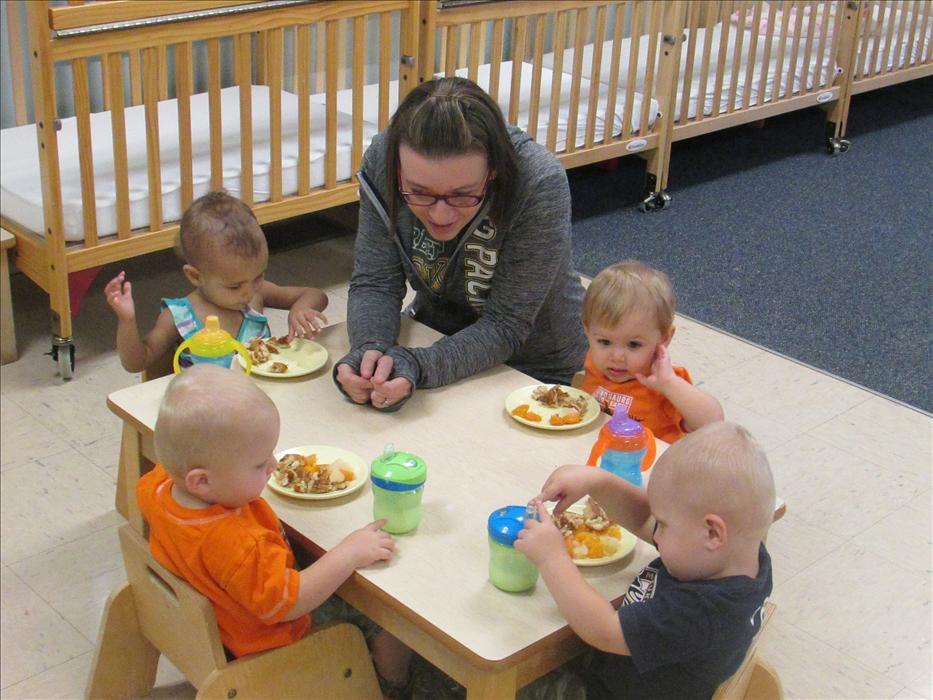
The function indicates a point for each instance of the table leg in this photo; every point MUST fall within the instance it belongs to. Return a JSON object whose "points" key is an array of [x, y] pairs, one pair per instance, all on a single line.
{"points": [[491, 685]]}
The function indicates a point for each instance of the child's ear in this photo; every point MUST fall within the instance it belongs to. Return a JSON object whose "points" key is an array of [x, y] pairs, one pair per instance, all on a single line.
{"points": [[717, 533], [192, 273], [198, 482], [668, 337]]}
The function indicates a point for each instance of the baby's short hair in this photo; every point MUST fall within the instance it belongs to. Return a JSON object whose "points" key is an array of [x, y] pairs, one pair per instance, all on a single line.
{"points": [[202, 406], [722, 469], [215, 222], [627, 287]]}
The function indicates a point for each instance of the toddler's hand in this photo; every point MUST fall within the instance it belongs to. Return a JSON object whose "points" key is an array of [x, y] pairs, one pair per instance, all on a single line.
{"points": [[662, 373], [119, 294], [304, 322], [368, 544], [567, 485], [540, 540]]}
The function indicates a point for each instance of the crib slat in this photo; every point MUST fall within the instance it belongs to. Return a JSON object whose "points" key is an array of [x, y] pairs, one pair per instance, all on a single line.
{"points": [[795, 51], [925, 54], [766, 57], [693, 23], [912, 37], [863, 44], [582, 27], [385, 75], [782, 45], [151, 70], [105, 81], [359, 64], [330, 127], [495, 59], [520, 36], [163, 72], [899, 42], [889, 53], [704, 66], [808, 51], [303, 80], [85, 152], [118, 127], [450, 55], [242, 56], [183, 89], [475, 47], [273, 68], [654, 34], [463, 45], [825, 8], [534, 104], [613, 88], [213, 104], [737, 57], [17, 72], [752, 53], [595, 83], [636, 32], [560, 42], [877, 33], [724, 12]]}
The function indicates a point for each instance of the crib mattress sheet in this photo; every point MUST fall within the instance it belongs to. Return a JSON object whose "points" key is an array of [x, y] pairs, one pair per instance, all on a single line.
{"points": [[371, 103], [909, 53], [20, 184], [816, 75]]}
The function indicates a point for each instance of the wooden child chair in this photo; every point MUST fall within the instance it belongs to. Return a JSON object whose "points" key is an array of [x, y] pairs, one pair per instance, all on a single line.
{"points": [[755, 679], [157, 613]]}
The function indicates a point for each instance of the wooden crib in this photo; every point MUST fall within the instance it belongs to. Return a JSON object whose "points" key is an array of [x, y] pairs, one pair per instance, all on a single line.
{"points": [[276, 101], [175, 121]]}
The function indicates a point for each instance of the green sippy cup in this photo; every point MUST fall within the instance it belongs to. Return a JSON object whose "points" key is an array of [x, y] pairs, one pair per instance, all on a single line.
{"points": [[509, 569], [398, 483], [212, 344]]}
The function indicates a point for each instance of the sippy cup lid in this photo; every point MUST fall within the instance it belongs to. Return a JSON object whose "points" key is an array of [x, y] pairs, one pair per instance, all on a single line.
{"points": [[212, 338], [398, 471], [621, 424], [505, 523]]}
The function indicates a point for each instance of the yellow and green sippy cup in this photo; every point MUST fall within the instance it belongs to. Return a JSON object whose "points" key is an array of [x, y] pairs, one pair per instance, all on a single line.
{"points": [[398, 483], [212, 344], [509, 569]]}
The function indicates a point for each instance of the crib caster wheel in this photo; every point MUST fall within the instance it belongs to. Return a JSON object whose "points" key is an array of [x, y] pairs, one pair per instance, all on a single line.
{"points": [[656, 201], [63, 353], [836, 145]]}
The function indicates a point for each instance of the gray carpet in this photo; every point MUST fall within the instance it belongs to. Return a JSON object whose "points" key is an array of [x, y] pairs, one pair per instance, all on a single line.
{"points": [[827, 260]]}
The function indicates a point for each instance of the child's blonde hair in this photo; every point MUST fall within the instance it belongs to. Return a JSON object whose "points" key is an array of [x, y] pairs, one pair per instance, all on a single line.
{"points": [[216, 222], [202, 407], [626, 287], [722, 469]]}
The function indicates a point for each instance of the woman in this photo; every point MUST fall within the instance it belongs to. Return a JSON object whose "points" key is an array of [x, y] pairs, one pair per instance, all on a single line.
{"points": [[476, 217]]}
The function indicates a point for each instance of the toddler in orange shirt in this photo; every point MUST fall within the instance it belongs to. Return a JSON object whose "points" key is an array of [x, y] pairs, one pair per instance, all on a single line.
{"points": [[214, 439], [628, 316]]}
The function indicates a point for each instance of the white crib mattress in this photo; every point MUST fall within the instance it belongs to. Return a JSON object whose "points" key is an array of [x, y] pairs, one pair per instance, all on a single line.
{"points": [[826, 74], [371, 104], [20, 185]]}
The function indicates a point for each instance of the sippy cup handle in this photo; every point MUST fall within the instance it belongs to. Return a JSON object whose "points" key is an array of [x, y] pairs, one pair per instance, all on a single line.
{"points": [[650, 452]]}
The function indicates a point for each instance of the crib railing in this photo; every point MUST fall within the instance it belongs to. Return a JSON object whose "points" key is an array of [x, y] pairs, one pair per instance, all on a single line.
{"points": [[894, 42]]}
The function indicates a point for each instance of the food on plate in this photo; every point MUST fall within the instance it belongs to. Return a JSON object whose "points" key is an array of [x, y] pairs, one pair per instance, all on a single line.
{"points": [[262, 349], [571, 418], [304, 474], [524, 411], [589, 534], [556, 397], [278, 367]]}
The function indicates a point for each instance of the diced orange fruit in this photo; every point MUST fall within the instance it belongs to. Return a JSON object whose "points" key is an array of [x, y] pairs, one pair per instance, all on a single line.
{"points": [[521, 410], [531, 415], [565, 419]]}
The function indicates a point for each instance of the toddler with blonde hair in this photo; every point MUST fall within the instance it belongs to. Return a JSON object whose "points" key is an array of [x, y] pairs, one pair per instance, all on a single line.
{"points": [[628, 317]]}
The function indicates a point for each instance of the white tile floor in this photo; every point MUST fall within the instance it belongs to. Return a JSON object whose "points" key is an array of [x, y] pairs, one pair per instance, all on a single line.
{"points": [[852, 558]]}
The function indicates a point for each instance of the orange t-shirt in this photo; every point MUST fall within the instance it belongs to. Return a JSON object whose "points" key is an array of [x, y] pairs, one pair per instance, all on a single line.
{"points": [[643, 404], [237, 558]]}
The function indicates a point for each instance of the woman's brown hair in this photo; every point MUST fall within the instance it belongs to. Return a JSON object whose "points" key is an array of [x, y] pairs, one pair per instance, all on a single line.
{"points": [[453, 116]]}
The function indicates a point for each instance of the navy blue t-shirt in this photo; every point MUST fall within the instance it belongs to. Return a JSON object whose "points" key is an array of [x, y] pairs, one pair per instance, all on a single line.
{"points": [[686, 637]]}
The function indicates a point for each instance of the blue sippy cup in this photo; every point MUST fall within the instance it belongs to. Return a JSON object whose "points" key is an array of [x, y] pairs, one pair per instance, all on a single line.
{"points": [[509, 569]]}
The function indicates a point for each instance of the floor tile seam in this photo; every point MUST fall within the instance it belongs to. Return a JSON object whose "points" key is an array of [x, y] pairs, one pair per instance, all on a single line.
{"points": [[52, 668], [801, 363], [10, 564], [12, 468], [809, 566], [846, 539], [877, 463]]}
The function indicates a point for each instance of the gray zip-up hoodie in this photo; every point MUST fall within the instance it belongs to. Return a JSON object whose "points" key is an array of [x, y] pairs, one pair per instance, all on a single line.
{"points": [[509, 294]]}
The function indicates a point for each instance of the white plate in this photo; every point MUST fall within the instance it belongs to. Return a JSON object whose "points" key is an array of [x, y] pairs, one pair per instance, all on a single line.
{"points": [[325, 455], [303, 356], [626, 544], [523, 395]]}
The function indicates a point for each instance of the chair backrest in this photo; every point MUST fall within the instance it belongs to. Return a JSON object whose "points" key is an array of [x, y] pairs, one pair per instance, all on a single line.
{"points": [[174, 617], [737, 687]]}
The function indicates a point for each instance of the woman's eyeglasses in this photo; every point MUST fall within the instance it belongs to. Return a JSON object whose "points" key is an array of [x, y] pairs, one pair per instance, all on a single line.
{"points": [[460, 201]]}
